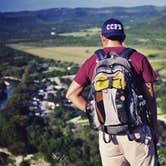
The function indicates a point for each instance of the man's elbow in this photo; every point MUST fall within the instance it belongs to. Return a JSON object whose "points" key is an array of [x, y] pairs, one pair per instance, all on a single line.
{"points": [[67, 96], [73, 91]]}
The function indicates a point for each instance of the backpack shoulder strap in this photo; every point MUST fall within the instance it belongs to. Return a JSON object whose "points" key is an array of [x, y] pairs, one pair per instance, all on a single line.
{"points": [[100, 54], [127, 52]]}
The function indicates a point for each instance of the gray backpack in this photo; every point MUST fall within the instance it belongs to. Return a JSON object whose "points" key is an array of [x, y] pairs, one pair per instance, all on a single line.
{"points": [[115, 105]]}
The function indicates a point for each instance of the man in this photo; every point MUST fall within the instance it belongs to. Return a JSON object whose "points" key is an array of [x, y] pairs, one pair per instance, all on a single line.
{"points": [[124, 151]]}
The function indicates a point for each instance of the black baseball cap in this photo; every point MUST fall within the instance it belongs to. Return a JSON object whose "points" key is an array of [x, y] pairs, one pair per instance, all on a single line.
{"points": [[112, 28]]}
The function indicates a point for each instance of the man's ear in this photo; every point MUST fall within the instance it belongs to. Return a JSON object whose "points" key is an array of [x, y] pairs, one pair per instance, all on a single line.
{"points": [[104, 40], [102, 37]]}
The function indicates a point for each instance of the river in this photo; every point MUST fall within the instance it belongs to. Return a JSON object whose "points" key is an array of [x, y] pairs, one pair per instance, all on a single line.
{"points": [[8, 91]]}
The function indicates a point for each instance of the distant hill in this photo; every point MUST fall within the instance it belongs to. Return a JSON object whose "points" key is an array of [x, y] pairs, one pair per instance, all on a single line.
{"points": [[151, 33], [39, 24], [159, 24]]}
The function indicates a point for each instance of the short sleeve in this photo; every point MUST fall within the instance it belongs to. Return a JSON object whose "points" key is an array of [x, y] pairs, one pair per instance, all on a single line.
{"points": [[148, 73], [81, 76], [84, 75]]}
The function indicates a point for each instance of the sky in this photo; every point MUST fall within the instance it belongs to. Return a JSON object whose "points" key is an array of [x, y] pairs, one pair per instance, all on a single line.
{"points": [[19, 5]]}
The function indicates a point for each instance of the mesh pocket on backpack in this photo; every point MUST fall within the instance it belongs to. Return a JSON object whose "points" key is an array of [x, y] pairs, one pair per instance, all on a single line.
{"points": [[121, 106]]}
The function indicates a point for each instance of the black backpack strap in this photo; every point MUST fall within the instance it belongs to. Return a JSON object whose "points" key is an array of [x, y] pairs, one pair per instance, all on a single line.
{"points": [[109, 139], [127, 52], [100, 54]]}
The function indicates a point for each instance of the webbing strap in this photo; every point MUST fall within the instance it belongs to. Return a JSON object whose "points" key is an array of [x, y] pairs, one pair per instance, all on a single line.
{"points": [[107, 140], [127, 52], [100, 54]]}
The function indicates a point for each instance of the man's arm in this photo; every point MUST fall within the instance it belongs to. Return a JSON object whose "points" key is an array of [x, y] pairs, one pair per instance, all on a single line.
{"points": [[152, 108], [74, 95]]}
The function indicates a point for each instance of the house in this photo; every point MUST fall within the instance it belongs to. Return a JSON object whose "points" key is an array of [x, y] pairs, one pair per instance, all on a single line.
{"points": [[46, 105]]}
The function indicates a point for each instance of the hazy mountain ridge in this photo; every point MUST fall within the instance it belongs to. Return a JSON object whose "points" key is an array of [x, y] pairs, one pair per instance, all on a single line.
{"points": [[69, 13], [40, 23]]}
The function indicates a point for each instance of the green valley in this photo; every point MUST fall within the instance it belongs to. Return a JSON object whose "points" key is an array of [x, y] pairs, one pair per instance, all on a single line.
{"points": [[38, 124]]}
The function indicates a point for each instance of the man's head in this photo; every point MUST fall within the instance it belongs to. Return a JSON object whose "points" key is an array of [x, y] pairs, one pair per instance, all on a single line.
{"points": [[113, 29]]}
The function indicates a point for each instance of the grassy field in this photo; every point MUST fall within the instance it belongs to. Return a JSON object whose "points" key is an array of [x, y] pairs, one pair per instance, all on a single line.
{"points": [[70, 54], [75, 53], [83, 33], [79, 54]]}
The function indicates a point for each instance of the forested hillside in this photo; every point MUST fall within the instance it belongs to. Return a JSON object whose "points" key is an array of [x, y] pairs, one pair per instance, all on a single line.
{"points": [[150, 34], [27, 127]]}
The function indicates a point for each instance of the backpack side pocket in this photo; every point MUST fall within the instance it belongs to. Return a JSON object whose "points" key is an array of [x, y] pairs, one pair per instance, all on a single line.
{"points": [[92, 115]]}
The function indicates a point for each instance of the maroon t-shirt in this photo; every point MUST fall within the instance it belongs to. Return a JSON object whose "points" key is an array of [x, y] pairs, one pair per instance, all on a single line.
{"points": [[143, 70]]}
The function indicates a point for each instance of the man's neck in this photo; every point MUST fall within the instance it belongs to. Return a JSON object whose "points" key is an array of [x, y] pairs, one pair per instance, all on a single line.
{"points": [[111, 43]]}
